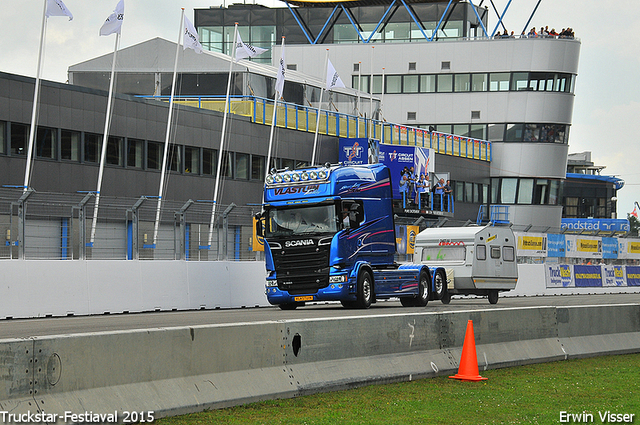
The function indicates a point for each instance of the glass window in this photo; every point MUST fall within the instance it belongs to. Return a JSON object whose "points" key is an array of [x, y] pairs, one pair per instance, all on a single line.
{"points": [[478, 82], [115, 151], [209, 161], [525, 191], [444, 254], [427, 84], [485, 194], [410, 83], [499, 81], [92, 145], [459, 195], [476, 193], [393, 84], [541, 191], [445, 83], [444, 128], [532, 133], [154, 155], [356, 80], [508, 190], [496, 132], [495, 252], [550, 81], [519, 81], [478, 131], [377, 84], [46, 142], [175, 158], [70, 145], [461, 130], [468, 192], [554, 191], [514, 133], [537, 81], [211, 38], [192, 160], [135, 153], [257, 167], [508, 253], [344, 33], [19, 138], [481, 252], [3, 132], [495, 185], [227, 165], [367, 29], [462, 82], [397, 32], [242, 166]]}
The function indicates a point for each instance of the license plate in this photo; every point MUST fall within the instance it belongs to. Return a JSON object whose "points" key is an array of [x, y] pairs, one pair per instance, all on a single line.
{"points": [[305, 298]]}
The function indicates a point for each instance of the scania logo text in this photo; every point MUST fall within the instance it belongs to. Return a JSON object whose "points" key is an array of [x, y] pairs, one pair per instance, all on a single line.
{"points": [[302, 242]]}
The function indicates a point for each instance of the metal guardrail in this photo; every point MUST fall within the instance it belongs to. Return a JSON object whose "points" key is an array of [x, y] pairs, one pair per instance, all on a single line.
{"points": [[37, 225], [304, 118]]}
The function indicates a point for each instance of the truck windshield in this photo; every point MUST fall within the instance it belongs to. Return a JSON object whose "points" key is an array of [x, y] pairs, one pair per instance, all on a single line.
{"points": [[302, 220]]}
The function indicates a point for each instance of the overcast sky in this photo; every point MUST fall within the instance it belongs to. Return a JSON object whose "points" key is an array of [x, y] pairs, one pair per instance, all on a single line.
{"points": [[607, 96]]}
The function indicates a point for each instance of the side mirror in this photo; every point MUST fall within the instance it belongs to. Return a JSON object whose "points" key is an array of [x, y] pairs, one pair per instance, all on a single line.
{"points": [[259, 224]]}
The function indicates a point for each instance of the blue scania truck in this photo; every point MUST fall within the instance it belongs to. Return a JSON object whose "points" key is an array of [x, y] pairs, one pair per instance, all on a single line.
{"points": [[330, 236]]}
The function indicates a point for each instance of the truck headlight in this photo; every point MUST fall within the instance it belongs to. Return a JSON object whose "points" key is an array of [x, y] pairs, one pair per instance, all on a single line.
{"points": [[341, 278]]}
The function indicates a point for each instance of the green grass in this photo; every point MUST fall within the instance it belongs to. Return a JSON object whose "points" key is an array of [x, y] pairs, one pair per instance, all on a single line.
{"points": [[534, 394]]}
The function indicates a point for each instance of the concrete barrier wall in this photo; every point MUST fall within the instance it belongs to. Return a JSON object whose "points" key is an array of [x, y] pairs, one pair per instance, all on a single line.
{"points": [[39, 288], [187, 369]]}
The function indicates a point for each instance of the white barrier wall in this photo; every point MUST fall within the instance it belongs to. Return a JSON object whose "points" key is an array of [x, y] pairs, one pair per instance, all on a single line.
{"points": [[38, 288]]}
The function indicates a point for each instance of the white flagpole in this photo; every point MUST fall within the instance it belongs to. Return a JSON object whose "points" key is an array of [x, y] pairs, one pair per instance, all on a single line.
{"points": [[382, 97], [105, 139], [224, 125], [273, 123], [168, 132], [36, 93], [359, 87], [315, 137], [371, 95]]}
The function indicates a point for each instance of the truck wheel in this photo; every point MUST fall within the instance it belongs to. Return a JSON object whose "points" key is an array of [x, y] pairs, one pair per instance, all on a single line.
{"points": [[493, 297], [348, 304], [440, 284], [365, 290], [408, 301], [423, 290]]}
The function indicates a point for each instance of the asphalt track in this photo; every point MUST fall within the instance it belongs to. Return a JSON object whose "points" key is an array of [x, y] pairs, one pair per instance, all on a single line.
{"points": [[25, 328]]}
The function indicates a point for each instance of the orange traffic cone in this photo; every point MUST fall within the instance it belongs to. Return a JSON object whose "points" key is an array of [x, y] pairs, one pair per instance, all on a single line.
{"points": [[468, 370]]}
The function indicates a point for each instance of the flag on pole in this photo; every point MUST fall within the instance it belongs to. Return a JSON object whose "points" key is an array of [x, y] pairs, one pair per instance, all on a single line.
{"points": [[333, 79], [191, 37], [635, 212], [57, 8], [113, 24], [281, 71], [246, 50]]}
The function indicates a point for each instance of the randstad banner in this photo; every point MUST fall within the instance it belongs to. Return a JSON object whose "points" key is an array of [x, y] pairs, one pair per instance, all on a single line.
{"points": [[587, 276], [559, 276]]}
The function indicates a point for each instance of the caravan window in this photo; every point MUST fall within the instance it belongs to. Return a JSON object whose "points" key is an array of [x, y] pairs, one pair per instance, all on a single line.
{"points": [[444, 254], [495, 252], [508, 253], [481, 252]]}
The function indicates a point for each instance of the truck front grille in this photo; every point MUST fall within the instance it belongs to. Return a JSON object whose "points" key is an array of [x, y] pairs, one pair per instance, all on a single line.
{"points": [[302, 270]]}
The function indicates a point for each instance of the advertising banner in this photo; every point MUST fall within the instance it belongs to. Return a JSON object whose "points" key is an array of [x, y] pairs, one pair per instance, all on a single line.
{"points": [[583, 246], [594, 225], [358, 151], [556, 246], [587, 276], [613, 276], [397, 158], [559, 276], [633, 275], [610, 248], [532, 245]]}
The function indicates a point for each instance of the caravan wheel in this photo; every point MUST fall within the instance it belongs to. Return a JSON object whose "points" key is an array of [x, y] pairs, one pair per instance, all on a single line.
{"points": [[493, 297]]}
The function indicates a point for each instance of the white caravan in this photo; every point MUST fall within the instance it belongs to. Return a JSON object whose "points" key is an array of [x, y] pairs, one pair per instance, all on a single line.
{"points": [[479, 260]]}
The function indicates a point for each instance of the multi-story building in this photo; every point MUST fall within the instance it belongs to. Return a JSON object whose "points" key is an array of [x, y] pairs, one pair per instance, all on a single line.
{"points": [[435, 65]]}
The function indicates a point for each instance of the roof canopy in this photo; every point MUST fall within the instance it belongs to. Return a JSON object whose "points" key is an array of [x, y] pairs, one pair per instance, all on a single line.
{"points": [[349, 3]]}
